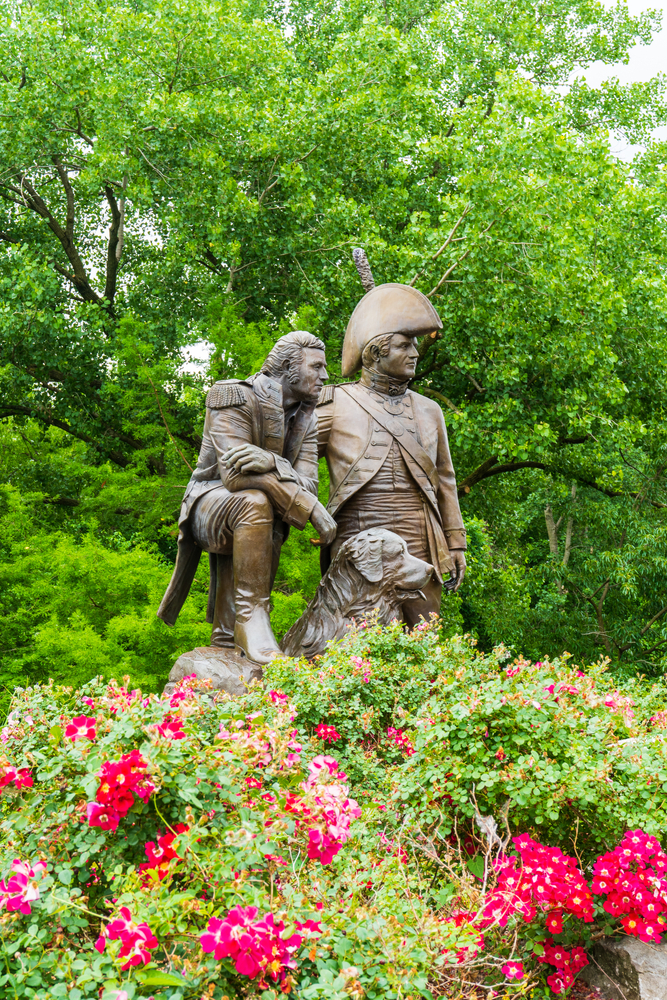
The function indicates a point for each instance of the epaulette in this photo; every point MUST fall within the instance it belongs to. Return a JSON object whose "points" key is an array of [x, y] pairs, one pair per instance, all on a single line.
{"points": [[327, 393], [223, 394]]}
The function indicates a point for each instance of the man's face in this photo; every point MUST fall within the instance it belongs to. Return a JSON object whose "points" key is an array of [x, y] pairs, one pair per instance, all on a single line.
{"points": [[312, 374], [401, 361]]}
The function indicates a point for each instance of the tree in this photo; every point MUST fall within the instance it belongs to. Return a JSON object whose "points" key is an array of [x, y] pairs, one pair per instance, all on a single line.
{"points": [[227, 155], [236, 153]]}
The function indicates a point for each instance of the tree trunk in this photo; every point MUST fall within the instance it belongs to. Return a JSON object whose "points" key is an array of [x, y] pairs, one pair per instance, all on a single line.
{"points": [[568, 530], [552, 530]]}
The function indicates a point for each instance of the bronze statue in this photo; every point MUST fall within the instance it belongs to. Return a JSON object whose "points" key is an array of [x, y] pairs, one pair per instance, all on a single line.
{"points": [[392, 533], [371, 576], [256, 476], [386, 446]]}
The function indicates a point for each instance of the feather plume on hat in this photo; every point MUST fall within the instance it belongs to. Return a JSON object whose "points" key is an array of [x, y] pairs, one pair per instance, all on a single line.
{"points": [[364, 268]]}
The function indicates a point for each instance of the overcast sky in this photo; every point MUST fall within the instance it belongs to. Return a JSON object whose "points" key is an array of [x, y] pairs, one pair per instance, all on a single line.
{"points": [[645, 61]]}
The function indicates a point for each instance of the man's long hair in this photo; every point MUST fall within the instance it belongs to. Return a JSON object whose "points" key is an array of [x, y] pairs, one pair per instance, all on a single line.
{"points": [[287, 353]]}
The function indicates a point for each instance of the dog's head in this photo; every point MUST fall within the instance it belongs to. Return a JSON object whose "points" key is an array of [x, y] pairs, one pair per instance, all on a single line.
{"points": [[380, 555]]}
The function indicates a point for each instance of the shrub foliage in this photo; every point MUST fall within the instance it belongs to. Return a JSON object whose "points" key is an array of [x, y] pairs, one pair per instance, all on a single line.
{"points": [[375, 823]]}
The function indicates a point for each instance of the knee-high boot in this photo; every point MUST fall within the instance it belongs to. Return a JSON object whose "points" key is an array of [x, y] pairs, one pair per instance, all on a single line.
{"points": [[253, 634], [224, 611]]}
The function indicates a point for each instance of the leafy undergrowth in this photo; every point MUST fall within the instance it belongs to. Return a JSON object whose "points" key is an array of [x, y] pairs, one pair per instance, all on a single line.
{"points": [[404, 817]]}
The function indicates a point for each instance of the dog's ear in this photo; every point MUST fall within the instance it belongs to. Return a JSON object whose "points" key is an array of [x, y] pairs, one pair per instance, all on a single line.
{"points": [[366, 554]]}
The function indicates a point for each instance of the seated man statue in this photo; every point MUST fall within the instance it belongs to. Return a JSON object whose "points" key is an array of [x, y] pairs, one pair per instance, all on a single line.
{"points": [[386, 446], [256, 475]]}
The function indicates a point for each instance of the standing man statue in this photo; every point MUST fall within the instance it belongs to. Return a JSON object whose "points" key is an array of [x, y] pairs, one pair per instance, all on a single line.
{"points": [[256, 476], [386, 446]]}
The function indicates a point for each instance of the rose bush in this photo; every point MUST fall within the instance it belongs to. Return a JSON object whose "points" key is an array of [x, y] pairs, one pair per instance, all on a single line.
{"points": [[376, 844], [571, 752]]}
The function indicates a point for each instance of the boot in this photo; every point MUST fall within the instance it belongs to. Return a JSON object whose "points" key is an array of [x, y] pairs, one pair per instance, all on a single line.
{"points": [[255, 638], [253, 635], [223, 616]]}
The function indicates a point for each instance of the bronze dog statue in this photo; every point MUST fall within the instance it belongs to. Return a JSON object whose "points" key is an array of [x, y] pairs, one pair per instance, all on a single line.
{"points": [[372, 573]]}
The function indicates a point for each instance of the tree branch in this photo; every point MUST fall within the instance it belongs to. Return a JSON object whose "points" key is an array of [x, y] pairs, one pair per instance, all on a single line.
{"points": [[489, 468], [21, 202], [179, 58], [654, 619], [449, 239], [120, 246], [70, 502], [268, 186], [61, 501], [474, 244], [443, 399], [514, 467], [652, 649], [74, 131], [213, 263], [471, 378], [69, 194], [113, 257], [602, 630], [475, 477], [423, 349], [452, 267], [568, 530], [32, 200], [601, 587], [618, 493], [42, 414], [164, 421], [153, 167]]}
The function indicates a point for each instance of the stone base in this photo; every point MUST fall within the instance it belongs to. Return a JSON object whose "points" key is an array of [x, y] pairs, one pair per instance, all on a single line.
{"points": [[227, 669], [627, 969]]}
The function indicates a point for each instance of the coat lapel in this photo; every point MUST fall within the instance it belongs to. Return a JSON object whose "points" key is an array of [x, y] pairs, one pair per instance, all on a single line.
{"points": [[297, 432], [396, 428], [270, 397]]}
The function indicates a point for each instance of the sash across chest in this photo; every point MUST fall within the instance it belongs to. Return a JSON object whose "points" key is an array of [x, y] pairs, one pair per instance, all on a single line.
{"points": [[406, 441]]}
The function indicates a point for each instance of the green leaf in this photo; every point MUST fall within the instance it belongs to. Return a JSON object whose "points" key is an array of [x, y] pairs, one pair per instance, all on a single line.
{"points": [[89, 785], [160, 979], [476, 867], [445, 894]]}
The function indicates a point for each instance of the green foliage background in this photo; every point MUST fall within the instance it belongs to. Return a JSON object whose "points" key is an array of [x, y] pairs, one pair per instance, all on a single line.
{"points": [[176, 173]]}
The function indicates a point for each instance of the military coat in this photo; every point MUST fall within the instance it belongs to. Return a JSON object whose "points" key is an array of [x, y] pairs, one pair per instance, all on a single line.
{"points": [[356, 429], [238, 412]]}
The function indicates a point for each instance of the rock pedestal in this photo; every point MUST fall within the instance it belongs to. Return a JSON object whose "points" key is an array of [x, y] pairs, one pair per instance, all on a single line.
{"points": [[225, 668], [627, 969]]}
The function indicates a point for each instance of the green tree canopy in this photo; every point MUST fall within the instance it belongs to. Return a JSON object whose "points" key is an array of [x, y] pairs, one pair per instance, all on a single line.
{"points": [[176, 171]]}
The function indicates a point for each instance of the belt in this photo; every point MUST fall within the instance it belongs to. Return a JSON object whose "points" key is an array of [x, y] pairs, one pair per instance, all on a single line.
{"points": [[395, 502]]}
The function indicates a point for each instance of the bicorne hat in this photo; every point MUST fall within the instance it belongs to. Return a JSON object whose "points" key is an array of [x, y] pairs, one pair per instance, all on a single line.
{"points": [[390, 308]]}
